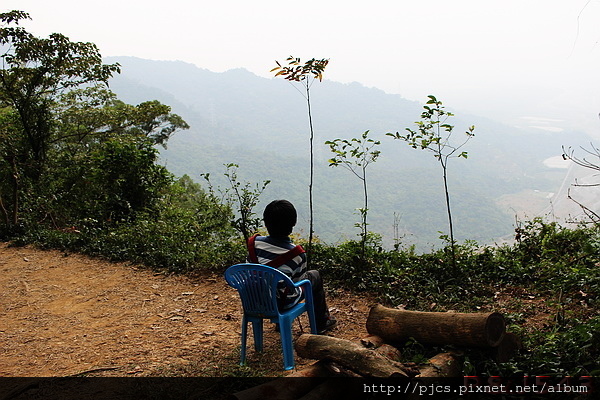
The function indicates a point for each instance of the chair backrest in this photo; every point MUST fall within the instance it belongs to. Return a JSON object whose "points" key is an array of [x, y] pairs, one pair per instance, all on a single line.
{"points": [[257, 285]]}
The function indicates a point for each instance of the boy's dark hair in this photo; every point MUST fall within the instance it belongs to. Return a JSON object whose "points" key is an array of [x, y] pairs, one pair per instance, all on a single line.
{"points": [[280, 218]]}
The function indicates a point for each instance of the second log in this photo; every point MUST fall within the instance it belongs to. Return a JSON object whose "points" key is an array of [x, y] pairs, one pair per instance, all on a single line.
{"points": [[437, 328]]}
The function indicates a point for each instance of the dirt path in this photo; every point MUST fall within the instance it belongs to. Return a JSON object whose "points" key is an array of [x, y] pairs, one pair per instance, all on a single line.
{"points": [[64, 314]]}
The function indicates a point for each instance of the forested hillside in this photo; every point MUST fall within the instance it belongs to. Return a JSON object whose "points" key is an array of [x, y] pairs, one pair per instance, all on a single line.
{"points": [[261, 125]]}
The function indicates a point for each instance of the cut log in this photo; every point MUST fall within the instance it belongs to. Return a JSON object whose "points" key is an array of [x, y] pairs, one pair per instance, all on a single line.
{"points": [[348, 354], [376, 343], [314, 382], [443, 365], [340, 371], [440, 367], [318, 369], [508, 347], [372, 341], [389, 351], [438, 328], [288, 389]]}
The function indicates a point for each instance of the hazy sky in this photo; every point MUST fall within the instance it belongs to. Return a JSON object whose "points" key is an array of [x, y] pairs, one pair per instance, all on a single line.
{"points": [[505, 59]]}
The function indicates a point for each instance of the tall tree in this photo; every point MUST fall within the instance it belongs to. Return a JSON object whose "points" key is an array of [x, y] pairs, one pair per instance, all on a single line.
{"points": [[305, 74], [34, 72], [65, 136], [434, 134]]}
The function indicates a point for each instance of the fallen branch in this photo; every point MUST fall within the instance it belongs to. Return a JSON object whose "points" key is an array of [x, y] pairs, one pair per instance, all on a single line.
{"points": [[89, 371]]}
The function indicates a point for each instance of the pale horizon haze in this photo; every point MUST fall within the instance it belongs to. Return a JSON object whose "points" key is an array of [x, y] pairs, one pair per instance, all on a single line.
{"points": [[531, 63]]}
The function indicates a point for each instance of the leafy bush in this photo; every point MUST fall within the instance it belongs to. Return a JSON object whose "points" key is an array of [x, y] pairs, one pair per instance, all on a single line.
{"points": [[552, 262], [570, 348], [114, 180], [403, 277], [548, 258], [185, 231]]}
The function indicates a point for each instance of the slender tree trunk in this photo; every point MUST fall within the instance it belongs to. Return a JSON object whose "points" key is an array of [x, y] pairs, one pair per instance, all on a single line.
{"points": [[443, 162], [4, 212], [15, 176], [310, 184], [364, 215], [451, 226]]}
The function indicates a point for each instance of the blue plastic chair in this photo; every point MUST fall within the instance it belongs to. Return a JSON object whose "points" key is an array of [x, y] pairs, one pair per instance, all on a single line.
{"points": [[257, 286]]}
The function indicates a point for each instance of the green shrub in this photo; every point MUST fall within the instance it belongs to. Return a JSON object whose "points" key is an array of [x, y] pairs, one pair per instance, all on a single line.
{"points": [[184, 231], [569, 348]]}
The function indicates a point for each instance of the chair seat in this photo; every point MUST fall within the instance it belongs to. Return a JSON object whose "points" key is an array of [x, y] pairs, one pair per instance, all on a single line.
{"points": [[257, 286]]}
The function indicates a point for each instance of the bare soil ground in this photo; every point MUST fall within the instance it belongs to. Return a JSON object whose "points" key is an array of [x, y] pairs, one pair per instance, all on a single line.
{"points": [[66, 314]]}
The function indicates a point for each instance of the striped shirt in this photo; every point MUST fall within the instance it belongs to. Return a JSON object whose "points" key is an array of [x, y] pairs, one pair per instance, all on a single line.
{"points": [[268, 248]]}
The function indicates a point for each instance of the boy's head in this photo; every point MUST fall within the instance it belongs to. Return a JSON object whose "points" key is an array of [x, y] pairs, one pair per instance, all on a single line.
{"points": [[280, 217]]}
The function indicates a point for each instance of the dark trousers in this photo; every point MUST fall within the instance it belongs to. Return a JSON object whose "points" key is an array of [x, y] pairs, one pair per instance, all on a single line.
{"points": [[320, 303]]}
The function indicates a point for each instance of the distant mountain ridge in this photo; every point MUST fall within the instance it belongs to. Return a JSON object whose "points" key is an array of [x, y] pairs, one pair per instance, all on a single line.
{"points": [[261, 124]]}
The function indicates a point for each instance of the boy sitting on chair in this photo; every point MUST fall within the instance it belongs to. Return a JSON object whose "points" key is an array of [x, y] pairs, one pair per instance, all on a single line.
{"points": [[278, 251]]}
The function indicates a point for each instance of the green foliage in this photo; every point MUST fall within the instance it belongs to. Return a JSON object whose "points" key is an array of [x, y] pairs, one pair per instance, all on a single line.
{"points": [[403, 277], [36, 70], [47, 65], [551, 259], [242, 197], [89, 114], [296, 71], [111, 180], [9, 171], [186, 231], [345, 265], [571, 347], [355, 155], [78, 166], [433, 132], [121, 188], [69, 149], [548, 261]]}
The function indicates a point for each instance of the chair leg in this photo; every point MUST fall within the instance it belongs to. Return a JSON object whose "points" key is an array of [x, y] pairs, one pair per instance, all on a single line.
{"points": [[285, 331], [257, 328], [244, 336]]}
